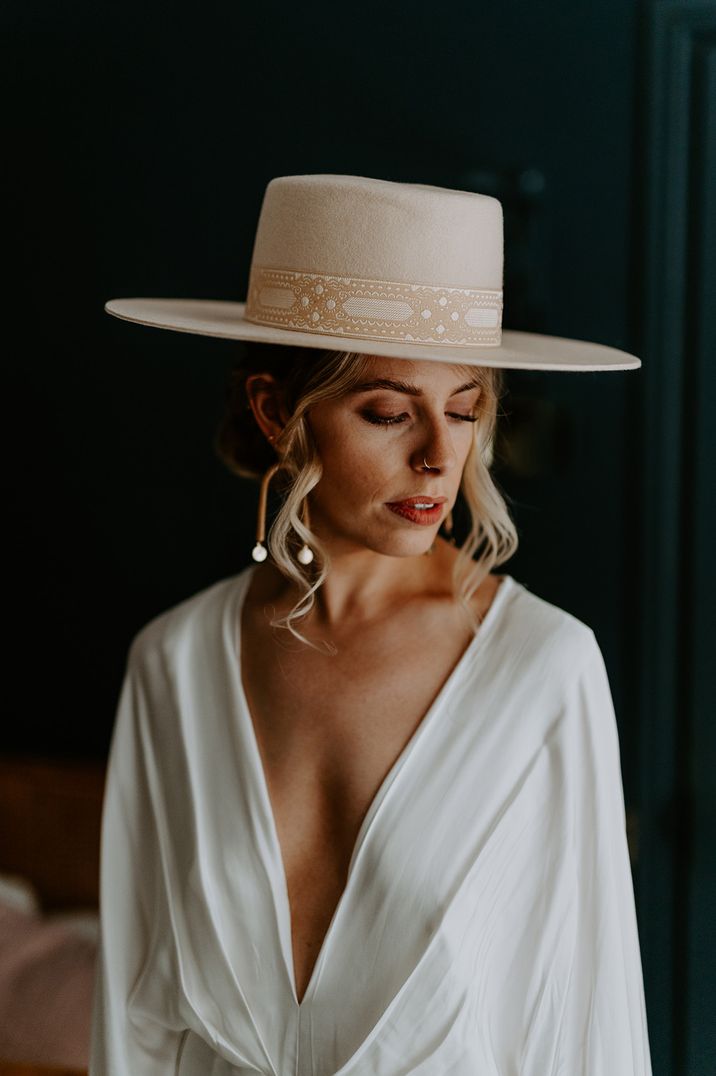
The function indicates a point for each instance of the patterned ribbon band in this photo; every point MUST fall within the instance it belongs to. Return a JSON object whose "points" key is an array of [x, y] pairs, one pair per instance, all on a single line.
{"points": [[374, 309]]}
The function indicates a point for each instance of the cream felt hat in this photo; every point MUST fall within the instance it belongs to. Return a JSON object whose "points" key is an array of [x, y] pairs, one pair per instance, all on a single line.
{"points": [[402, 270]]}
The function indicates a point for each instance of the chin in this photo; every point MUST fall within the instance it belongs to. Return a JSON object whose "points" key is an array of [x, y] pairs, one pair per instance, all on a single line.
{"points": [[406, 546]]}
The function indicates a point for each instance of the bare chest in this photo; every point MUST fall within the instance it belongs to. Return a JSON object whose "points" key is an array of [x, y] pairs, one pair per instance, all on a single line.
{"points": [[329, 729]]}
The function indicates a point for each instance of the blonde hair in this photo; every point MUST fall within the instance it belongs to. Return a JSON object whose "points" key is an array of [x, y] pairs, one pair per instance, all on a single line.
{"points": [[309, 375]]}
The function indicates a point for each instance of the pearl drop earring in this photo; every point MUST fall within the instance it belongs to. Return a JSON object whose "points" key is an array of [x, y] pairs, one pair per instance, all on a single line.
{"points": [[260, 552]]}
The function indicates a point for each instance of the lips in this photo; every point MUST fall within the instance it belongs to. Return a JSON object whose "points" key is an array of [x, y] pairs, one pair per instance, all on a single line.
{"points": [[409, 502], [424, 517]]}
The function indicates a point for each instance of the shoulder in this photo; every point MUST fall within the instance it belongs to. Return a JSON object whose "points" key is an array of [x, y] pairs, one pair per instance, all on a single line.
{"points": [[543, 635], [547, 664], [196, 619]]}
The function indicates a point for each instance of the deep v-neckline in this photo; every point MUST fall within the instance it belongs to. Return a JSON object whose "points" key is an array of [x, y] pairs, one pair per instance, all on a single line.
{"points": [[285, 928]]}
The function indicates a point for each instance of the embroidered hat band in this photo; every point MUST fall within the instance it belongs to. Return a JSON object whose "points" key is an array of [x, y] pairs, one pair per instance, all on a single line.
{"points": [[374, 309]]}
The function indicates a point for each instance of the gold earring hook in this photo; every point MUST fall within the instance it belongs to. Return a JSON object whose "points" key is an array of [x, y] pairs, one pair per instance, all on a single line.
{"points": [[259, 552]]}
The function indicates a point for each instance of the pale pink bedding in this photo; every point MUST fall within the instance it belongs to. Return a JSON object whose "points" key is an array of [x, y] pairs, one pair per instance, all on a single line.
{"points": [[47, 967]]}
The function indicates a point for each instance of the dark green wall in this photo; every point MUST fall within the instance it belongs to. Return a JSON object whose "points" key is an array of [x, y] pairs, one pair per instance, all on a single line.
{"points": [[675, 690], [138, 143]]}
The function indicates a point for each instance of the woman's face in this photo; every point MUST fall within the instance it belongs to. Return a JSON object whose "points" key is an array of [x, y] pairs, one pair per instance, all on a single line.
{"points": [[372, 444]]}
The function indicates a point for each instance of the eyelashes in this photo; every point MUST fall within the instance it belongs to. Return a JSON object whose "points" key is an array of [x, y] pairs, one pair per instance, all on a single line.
{"points": [[394, 420]]}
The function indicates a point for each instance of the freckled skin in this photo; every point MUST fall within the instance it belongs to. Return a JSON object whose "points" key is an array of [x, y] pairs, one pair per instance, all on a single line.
{"points": [[367, 465]]}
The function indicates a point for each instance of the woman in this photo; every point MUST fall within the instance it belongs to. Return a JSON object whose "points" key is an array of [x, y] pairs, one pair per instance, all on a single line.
{"points": [[364, 811]]}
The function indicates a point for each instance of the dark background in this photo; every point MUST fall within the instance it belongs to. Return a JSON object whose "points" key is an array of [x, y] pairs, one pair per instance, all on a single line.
{"points": [[138, 143]]}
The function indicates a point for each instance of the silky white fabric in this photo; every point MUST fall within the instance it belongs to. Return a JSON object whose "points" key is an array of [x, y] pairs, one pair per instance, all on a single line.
{"points": [[487, 927]]}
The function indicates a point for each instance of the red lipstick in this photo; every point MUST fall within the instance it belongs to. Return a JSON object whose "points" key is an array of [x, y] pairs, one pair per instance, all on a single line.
{"points": [[411, 508]]}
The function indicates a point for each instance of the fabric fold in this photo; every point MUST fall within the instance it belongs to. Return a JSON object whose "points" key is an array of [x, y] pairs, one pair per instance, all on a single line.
{"points": [[488, 921]]}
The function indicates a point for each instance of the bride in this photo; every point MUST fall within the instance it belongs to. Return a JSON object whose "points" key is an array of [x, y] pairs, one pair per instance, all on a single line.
{"points": [[364, 812]]}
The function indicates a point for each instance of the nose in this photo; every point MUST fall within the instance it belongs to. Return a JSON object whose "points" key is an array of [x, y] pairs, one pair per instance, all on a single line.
{"points": [[437, 450]]}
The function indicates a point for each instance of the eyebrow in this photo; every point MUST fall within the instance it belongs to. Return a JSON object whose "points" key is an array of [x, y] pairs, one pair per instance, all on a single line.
{"points": [[397, 385]]}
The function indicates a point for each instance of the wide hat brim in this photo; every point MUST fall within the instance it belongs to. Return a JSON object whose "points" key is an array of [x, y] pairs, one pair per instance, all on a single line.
{"points": [[517, 351]]}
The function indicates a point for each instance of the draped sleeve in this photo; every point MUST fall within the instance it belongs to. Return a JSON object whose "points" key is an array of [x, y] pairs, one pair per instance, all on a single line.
{"points": [[134, 911], [602, 1027]]}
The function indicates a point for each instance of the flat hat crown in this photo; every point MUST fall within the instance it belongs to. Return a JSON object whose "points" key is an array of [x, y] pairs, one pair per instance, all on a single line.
{"points": [[378, 259]]}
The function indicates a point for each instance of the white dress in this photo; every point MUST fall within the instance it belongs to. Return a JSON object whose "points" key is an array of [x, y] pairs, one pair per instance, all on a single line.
{"points": [[487, 927]]}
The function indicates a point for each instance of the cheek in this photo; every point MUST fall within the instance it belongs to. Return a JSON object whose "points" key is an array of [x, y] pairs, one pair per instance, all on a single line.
{"points": [[356, 474], [356, 470]]}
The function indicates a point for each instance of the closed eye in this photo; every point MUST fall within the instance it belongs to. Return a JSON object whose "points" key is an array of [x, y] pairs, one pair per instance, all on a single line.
{"points": [[392, 420]]}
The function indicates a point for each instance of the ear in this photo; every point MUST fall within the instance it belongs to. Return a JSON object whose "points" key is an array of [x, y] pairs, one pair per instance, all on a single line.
{"points": [[266, 398]]}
